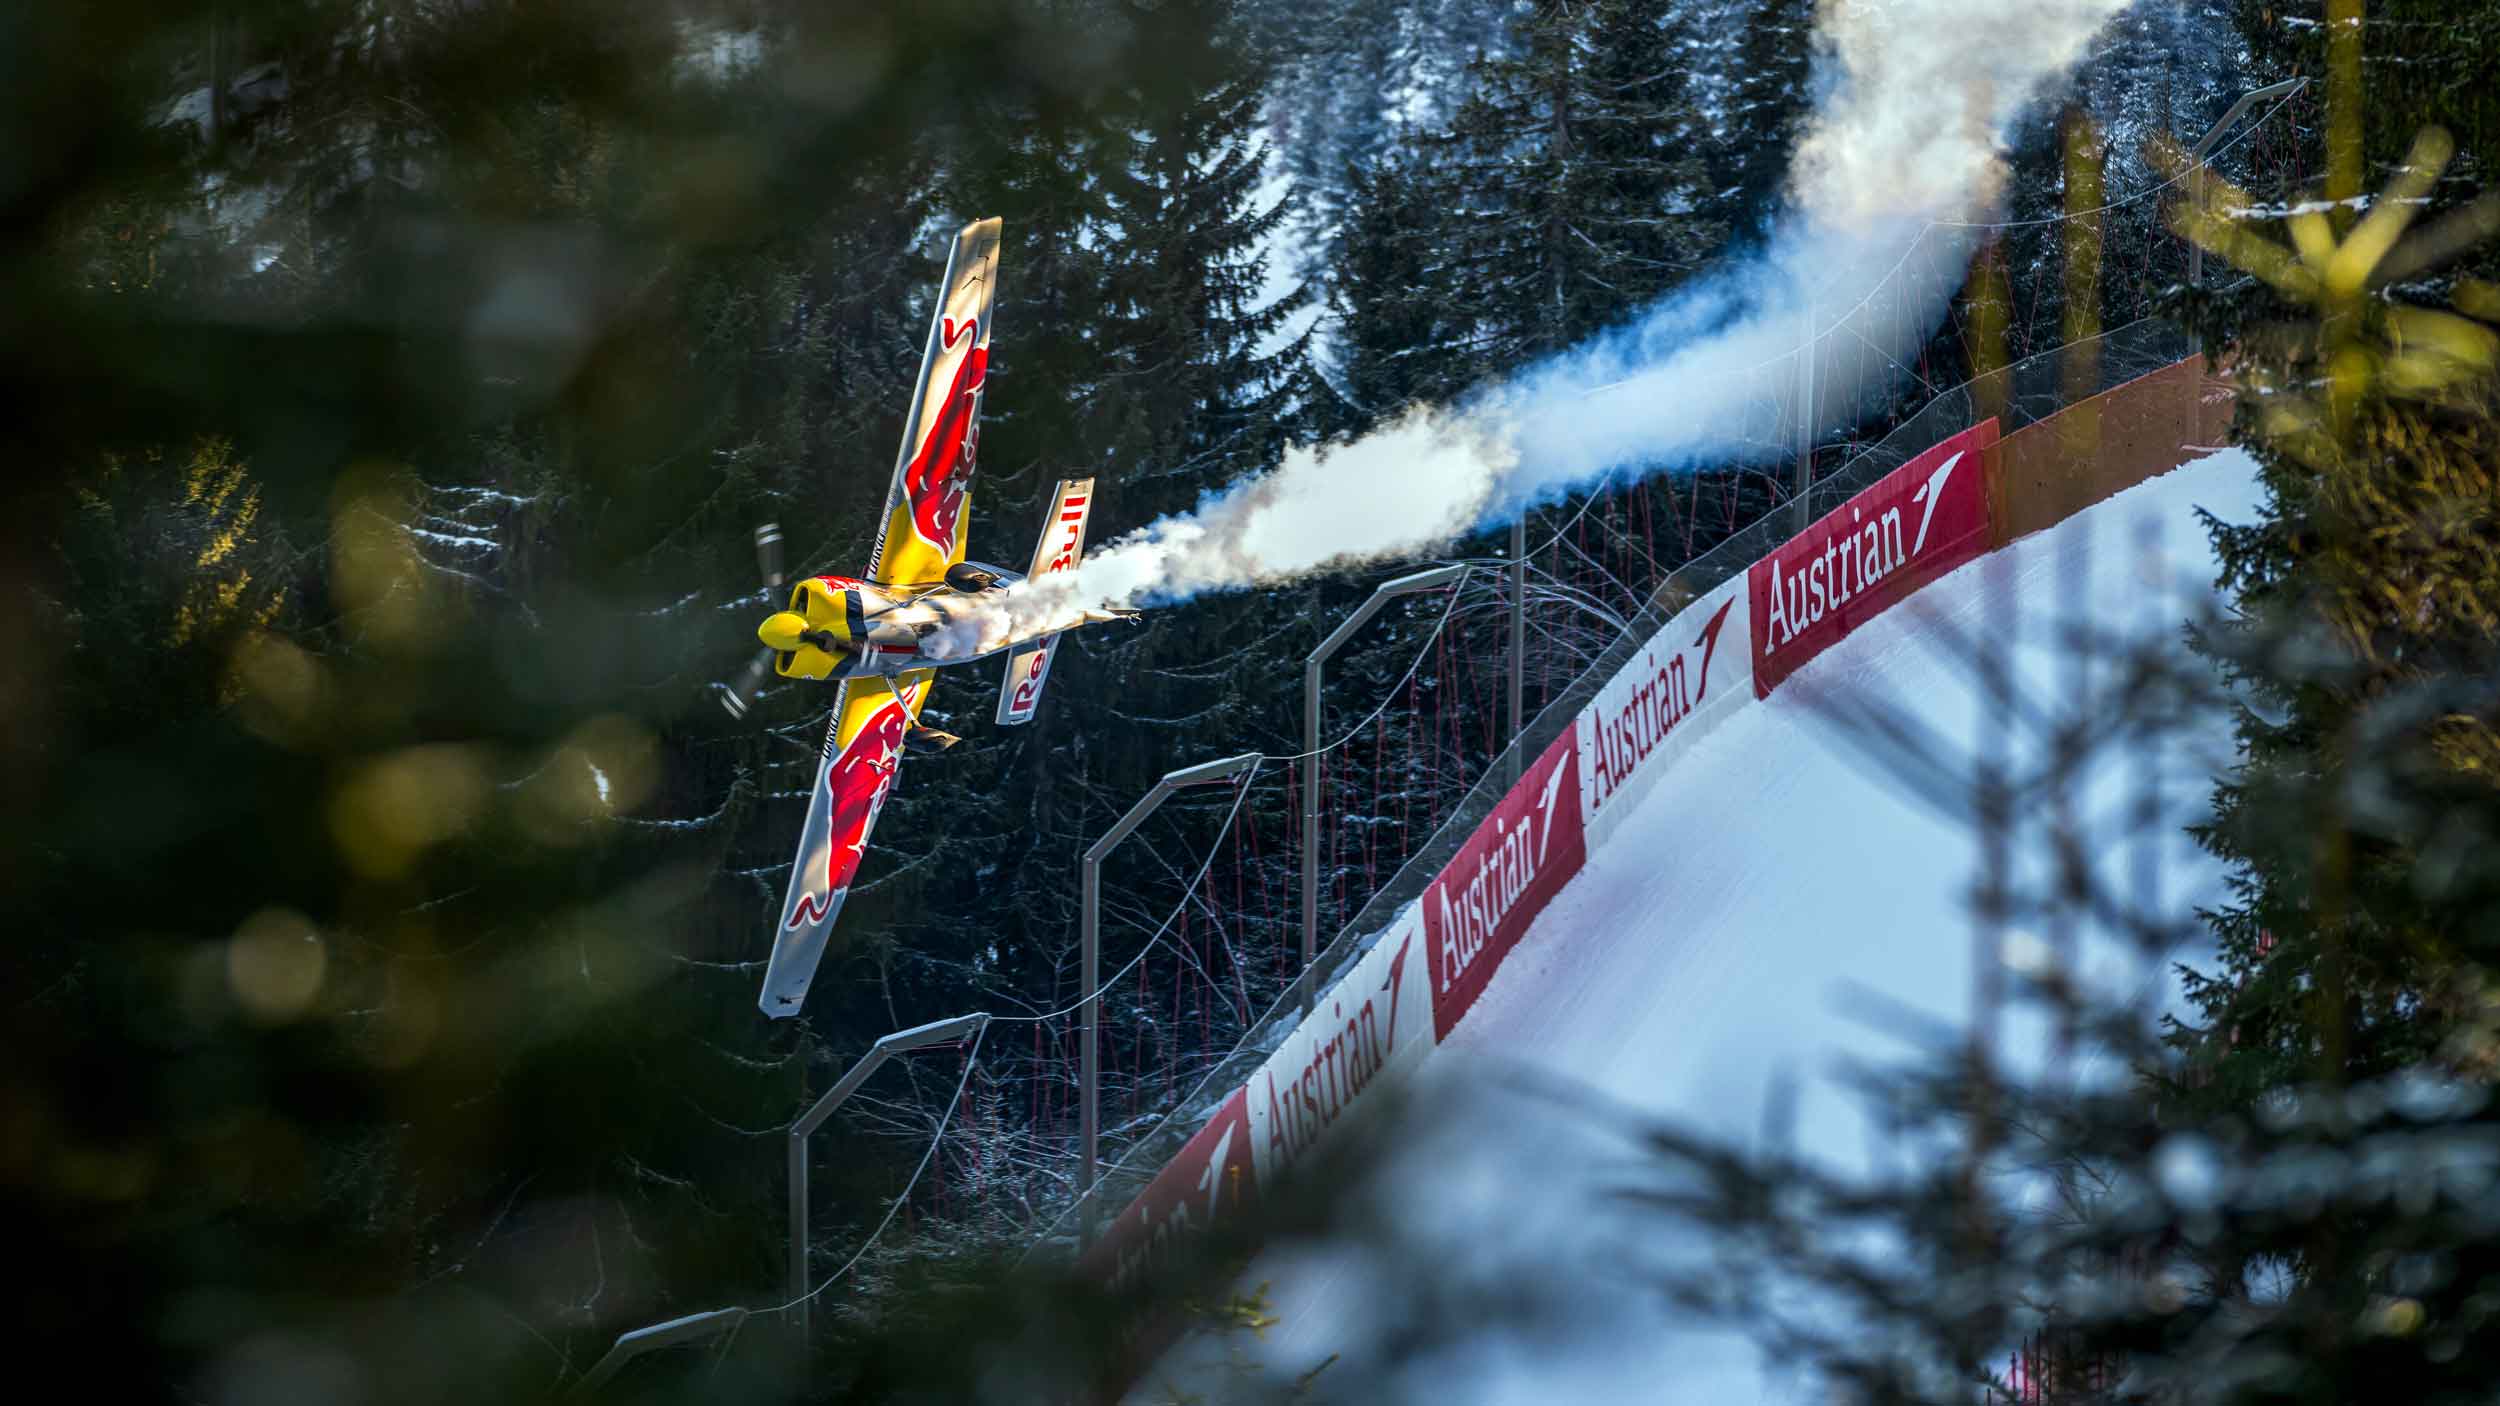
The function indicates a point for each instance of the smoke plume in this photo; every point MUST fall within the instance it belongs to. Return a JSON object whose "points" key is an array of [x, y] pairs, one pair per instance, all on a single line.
{"points": [[1904, 145]]}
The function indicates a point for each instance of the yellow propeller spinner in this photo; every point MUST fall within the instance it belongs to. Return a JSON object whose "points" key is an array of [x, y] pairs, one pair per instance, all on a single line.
{"points": [[783, 630]]}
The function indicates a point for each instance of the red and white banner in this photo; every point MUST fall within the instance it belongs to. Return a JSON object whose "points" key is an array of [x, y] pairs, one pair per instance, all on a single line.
{"points": [[1370, 1029], [1210, 1178], [1693, 672], [1912, 526], [1514, 864]]}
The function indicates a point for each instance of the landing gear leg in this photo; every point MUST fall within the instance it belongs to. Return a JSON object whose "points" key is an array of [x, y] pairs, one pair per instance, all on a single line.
{"points": [[919, 741]]}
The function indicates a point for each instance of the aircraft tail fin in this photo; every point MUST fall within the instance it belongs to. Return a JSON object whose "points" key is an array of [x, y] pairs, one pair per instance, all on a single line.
{"points": [[1063, 542]]}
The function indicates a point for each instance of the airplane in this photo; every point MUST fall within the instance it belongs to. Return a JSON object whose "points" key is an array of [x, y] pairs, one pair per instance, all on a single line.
{"points": [[922, 607]]}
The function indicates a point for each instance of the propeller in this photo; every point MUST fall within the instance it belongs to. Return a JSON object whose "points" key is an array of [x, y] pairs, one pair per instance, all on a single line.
{"points": [[768, 554], [737, 697]]}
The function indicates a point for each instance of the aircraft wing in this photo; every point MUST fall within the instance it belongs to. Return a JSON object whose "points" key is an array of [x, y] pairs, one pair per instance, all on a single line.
{"points": [[928, 509], [863, 752]]}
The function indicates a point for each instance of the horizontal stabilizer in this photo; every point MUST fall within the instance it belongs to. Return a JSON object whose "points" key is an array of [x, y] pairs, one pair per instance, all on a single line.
{"points": [[1063, 542]]}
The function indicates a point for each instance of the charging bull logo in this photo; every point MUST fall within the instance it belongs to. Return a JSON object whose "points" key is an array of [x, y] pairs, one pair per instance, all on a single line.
{"points": [[855, 787], [941, 473]]}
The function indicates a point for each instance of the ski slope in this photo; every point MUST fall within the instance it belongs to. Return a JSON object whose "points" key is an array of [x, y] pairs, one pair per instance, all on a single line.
{"points": [[1770, 910]]}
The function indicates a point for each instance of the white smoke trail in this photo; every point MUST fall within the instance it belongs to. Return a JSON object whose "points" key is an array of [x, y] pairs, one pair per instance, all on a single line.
{"points": [[1918, 95]]}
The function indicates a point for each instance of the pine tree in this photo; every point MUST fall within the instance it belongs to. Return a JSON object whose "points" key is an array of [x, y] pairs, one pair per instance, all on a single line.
{"points": [[1768, 100], [1637, 141], [2421, 61], [455, 892], [1204, 402], [1569, 184], [1199, 395], [1398, 334], [2367, 620], [2363, 596], [1353, 79]]}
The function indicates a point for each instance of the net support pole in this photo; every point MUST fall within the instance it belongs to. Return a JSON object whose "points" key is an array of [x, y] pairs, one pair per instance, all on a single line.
{"points": [[1089, 1076], [919, 1037], [1805, 423], [1518, 643], [1311, 668], [1437, 578]]}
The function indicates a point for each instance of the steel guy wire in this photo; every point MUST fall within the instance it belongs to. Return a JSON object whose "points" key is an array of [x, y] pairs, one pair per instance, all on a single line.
{"points": [[1241, 796], [1388, 697]]}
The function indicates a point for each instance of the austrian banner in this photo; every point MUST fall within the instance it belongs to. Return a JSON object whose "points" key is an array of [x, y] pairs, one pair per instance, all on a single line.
{"points": [[1518, 859], [1209, 1180], [1914, 525], [1368, 1031], [1693, 672]]}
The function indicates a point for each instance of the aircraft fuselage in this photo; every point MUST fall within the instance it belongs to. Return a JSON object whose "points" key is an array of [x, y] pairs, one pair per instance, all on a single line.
{"points": [[877, 630]]}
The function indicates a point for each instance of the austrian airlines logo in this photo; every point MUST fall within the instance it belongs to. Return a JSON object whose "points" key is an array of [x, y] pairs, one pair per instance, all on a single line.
{"points": [[1324, 1069], [941, 472], [1637, 714], [1855, 557], [1931, 493], [1709, 645], [1471, 911], [1545, 814], [1393, 983], [1211, 1181]]}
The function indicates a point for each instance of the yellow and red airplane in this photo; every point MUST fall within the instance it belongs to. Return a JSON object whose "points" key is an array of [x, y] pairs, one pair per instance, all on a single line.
{"points": [[921, 607]]}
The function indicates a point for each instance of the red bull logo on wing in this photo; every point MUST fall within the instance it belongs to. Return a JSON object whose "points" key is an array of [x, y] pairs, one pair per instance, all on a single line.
{"points": [[854, 788], [941, 473]]}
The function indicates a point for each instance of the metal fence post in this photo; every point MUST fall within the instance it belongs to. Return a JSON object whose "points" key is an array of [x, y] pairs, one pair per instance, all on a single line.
{"points": [[1381, 595], [1518, 642], [936, 1032], [1089, 1092]]}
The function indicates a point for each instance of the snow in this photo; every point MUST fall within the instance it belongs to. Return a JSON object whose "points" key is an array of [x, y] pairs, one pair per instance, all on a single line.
{"points": [[717, 53], [467, 541], [191, 108], [1732, 936]]}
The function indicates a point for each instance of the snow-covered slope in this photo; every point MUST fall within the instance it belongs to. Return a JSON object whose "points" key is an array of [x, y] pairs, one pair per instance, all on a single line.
{"points": [[1777, 885]]}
